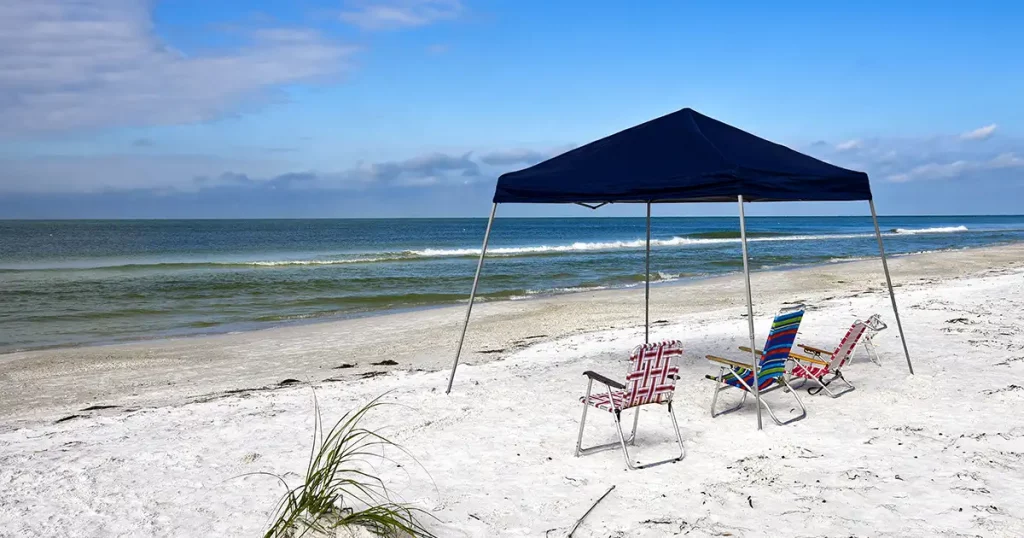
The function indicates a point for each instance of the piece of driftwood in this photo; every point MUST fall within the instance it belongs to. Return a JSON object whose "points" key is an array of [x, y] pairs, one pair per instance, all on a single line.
{"points": [[580, 520]]}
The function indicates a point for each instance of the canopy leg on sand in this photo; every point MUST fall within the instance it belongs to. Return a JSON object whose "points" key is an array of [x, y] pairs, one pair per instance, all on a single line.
{"points": [[472, 296], [888, 282], [750, 310]]}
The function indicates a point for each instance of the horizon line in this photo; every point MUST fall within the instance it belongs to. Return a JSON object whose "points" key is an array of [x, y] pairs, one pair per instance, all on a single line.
{"points": [[484, 217]]}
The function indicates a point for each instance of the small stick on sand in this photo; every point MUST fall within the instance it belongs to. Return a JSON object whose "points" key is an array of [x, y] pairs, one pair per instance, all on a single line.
{"points": [[580, 520]]}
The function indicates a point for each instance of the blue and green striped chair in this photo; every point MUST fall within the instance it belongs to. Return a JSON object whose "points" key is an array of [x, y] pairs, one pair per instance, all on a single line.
{"points": [[771, 371]]}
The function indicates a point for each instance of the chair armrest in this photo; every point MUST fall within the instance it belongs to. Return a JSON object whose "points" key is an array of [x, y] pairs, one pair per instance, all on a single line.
{"points": [[598, 377], [729, 362], [803, 358], [815, 350], [747, 350]]}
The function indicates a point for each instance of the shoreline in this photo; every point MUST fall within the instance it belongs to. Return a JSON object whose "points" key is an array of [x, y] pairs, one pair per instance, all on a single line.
{"points": [[44, 384]]}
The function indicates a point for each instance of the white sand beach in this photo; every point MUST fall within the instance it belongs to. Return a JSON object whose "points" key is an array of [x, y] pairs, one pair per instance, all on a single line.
{"points": [[940, 453]]}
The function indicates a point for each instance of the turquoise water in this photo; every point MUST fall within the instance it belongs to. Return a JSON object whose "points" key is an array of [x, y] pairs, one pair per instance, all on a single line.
{"points": [[87, 282]]}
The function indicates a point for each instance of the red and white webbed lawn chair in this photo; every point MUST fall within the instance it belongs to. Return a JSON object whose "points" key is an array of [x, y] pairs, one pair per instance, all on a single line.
{"points": [[651, 379]]}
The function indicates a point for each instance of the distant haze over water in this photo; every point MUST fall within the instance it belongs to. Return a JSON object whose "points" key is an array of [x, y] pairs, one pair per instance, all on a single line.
{"points": [[88, 282]]}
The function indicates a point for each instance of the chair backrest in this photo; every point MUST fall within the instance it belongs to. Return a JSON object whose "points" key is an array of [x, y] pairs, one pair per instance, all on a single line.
{"points": [[875, 323], [780, 342], [847, 345], [653, 373]]}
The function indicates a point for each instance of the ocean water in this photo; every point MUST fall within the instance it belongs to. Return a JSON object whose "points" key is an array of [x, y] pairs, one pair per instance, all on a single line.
{"points": [[87, 282]]}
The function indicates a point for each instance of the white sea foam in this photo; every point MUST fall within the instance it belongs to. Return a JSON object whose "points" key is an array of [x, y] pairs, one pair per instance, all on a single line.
{"points": [[579, 246], [668, 277], [673, 242], [570, 289], [936, 230], [279, 263], [620, 245]]}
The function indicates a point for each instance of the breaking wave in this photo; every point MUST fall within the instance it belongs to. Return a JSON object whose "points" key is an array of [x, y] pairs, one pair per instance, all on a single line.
{"points": [[938, 230], [621, 245], [708, 239]]}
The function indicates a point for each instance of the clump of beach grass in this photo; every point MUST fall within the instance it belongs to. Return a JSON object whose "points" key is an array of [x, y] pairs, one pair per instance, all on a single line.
{"points": [[339, 492]]}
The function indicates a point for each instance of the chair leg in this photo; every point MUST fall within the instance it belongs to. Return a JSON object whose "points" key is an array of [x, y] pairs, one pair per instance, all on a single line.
{"points": [[715, 390], [841, 377], [583, 420], [638, 465], [822, 386], [622, 439], [803, 410], [869, 347], [636, 420], [719, 387], [580, 450], [679, 436]]}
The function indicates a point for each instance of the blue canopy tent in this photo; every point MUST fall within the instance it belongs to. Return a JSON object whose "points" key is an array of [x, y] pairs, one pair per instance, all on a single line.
{"points": [[684, 156]]}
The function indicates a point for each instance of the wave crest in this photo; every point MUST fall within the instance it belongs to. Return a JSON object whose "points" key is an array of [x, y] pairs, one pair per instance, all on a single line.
{"points": [[619, 245], [725, 237], [935, 230], [280, 263]]}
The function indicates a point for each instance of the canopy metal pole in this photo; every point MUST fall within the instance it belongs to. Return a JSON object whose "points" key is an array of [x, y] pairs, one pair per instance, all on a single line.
{"points": [[750, 311], [888, 282], [472, 296], [647, 282]]}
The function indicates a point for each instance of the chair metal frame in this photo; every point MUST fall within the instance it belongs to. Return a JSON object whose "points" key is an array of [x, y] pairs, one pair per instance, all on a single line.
{"points": [[875, 326], [823, 385], [747, 389], [624, 442], [736, 369]]}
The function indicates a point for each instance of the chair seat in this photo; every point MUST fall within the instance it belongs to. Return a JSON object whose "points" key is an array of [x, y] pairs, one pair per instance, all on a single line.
{"points": [[766, 379], [615, 402], [810, 372]]}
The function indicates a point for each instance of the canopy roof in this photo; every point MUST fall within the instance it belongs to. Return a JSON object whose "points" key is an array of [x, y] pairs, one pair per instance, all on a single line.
{"points": [[684, 156]]}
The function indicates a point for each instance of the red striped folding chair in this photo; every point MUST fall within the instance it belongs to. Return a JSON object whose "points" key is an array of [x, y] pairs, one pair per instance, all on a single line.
{"points": [[819, 363], [651, 380]]}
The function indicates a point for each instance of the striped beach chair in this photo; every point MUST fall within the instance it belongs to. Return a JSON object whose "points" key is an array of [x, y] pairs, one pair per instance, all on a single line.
{"points": [[819, 363], [651, 379], [771, 372]]}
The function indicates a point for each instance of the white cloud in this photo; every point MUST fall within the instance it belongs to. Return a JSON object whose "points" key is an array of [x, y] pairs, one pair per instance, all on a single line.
{"points": [[958, 168], [896, 160], [103, 173], [849, 145], [81, 174], [99, 63], [421, 170], [507, 157], [936, 157], [981, 133], [398, 14], [513, 156]]}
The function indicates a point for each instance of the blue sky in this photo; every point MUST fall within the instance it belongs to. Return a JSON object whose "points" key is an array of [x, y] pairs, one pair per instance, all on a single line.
{"points": [[361, 108]]}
